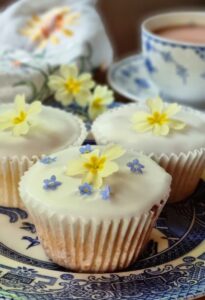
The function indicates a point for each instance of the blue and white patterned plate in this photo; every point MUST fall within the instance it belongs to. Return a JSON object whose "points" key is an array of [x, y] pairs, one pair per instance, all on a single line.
{"points": [[129, 77], [171, 267]]}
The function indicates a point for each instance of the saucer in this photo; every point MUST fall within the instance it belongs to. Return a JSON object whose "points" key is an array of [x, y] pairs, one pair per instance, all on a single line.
{"points": [[171, 267], [129, 77]]}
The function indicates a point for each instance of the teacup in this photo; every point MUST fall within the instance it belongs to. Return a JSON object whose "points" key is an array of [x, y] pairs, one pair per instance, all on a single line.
{"points": [[176, 67]]}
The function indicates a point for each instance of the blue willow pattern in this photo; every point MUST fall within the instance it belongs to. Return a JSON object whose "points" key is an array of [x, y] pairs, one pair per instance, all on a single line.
{"points": [[181, 280]]}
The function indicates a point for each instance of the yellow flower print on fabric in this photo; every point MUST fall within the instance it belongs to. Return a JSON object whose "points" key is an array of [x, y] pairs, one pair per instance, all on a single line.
{"points": [[95, 166], [20, 119], [46, 28], [159, 120]]}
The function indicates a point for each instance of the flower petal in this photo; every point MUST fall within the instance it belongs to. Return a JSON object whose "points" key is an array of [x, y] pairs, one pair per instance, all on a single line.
{"points": [[113, 152], [172, 109], [164, 130], [86, 80], [35, 108], [108, 100], [7, 116], [54, 39], [69, 71], [56, 82], [88, 177], [67, 32], [140, 116], [5, 125], [21, 129], [75, 167], [64, 97], [109, 168], [156, 129], [142, 127], [160, 130], [87, 156], [155, 105], [20, 103], [97, 181], [176, 124], [102, 90], [95, 112], [83, 97]]}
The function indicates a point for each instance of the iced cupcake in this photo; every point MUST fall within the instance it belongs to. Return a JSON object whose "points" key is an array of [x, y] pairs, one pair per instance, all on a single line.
{"points": [[94, 207], [172, 135], [26, 133]]}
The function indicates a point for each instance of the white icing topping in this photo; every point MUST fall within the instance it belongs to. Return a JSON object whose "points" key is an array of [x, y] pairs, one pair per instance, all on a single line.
{"points": [[116, 127], [131, 194], [53, 130]]}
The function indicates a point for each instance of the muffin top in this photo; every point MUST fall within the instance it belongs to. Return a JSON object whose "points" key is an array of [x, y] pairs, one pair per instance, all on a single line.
{"points": [[36, 129], [152, 127], [103, 181]]}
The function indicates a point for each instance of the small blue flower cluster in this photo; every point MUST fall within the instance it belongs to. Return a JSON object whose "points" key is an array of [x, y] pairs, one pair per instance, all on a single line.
{"points": [[46, 160], [87, 189], [135, 166], [51, 184], [86, 149], [105, 193]]}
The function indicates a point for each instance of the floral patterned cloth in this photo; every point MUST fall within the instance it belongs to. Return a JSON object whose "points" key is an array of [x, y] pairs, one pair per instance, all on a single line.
{"points": [[41, 35]]}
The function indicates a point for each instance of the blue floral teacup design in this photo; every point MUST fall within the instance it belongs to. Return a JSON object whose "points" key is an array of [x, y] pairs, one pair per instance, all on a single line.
{"points": [[177, 68]]}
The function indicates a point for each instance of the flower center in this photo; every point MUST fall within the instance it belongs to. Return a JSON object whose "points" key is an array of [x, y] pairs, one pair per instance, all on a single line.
{"points": [[51, 26], [97, 103], [95, 164], [73, 86], [20, 118], [59, 21], [158, 118]]}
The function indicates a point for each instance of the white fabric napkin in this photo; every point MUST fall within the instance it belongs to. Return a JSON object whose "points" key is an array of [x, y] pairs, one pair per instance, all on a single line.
{"points": [[38, 36]]}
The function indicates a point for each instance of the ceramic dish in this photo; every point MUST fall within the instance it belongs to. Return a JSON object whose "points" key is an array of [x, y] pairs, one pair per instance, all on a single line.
{"points": [[129, 77], [171, 267]]}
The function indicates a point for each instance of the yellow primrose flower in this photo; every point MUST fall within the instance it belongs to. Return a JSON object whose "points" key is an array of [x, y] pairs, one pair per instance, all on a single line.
{"points": [[95, 166], [159, 120], [45, 28], [99, 101], [70, 86], [20, 119]]}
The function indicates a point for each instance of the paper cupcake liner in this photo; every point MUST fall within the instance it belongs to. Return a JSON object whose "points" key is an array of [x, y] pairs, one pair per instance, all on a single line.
{"points": [[186, 169], [11, 170], [91, 245]]}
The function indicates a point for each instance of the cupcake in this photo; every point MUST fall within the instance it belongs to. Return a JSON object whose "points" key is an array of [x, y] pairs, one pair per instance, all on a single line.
{"points": [[170, 134], [28, 132], [94, 207]]}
